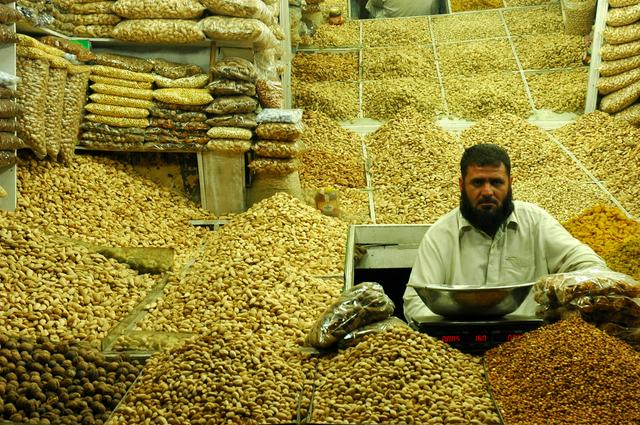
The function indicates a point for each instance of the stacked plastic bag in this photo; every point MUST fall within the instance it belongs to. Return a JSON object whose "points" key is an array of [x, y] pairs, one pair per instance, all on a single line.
{"points": [[608, 299], [232, 113], [278, 144], [85, 18]]}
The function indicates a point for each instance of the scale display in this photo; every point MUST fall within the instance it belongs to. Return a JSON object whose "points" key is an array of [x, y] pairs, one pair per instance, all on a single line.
{"points": [[476, 337]]}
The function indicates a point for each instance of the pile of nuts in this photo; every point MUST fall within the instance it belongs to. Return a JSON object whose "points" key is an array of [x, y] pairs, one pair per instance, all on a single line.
{"points": [[546, 51], [562, 91], [569, 371], [539, 20], [382, 99], [313, 67], [402, 376], [476, 57], [56, 383], [608, 148], [327, 35], [396, 32], [380, 63], [468, 26], [337, 99], [228, 376], [59, 290], [114, 208], [464, 5]]}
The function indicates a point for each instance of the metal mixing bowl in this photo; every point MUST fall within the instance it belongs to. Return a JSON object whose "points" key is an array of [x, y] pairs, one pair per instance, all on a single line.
{"points": [[461, 301]]}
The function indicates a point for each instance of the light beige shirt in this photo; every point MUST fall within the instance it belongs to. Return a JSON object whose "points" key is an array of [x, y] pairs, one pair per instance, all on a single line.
{"points": [[399, 8], [529, 245]]}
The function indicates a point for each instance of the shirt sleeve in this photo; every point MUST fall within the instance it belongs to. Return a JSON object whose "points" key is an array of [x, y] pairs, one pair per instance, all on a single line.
{"points": [[428, 268], [564, 253]]}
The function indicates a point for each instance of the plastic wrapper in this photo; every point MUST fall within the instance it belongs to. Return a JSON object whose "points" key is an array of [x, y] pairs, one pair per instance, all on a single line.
{"points": [[173, 125], [225, 105], [89, 8], [9, 15], [118, 122], [130, 92], [116, 111], [154, 9], [197, 81], [53, 109], [627, 334], [129, 63], [178, 107], [75, 49], [8, 124], [93, 31], [7, 35], [225, 87], [9, 108], [130, 102], [95, 127], [89, 19], [274, 166], [238, 120], [10, 142], [178, 116], [231, 146], [27, 41], [112, 138], [109, 71], [578, 16], [274, 149], [7, 93], [270, 93], [35, 53], [623, 15], [189, 140], [363, 304], [630, 115], [620, 51], [619, 35], [233, 68], [623, 3], [7, 158], [619, 100], [279, 131], [183, 96], [31, 96], [178, 134], [241, 9], [289, 116], [562, 288], [75, 92], [174, 70], [176, 31], [608, 85], [229, 133], [238, 29], [120, 82], [354, 337], [615, 67]]}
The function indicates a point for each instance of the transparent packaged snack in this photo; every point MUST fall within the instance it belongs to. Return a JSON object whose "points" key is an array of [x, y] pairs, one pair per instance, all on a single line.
{"points": [[279, 131], [175, 125], [270, 93], [175, 31], [111, 138], [153, 9], [183, 96], [178, 107], [31, 96], [9, 15], [277, 149], [229, 133], [129, 63], [8, 125], [177, 133], [118, 122], [356, 336], [93, 31], [116, 111], [89, 8], [7, 159], [620, 51], [630, 115], [274, 166], [174, 70], [75, 92], [608, 85], [227, 87], [237, 120], [238, 29], [197, 81], [623, 3], [7, 79], [614, 67], [619, 16], [225, 105], [28, 41], [105, 19], [178, 116], [65, 45], [143, 94], [7, 35], [232, 146], [287, 116], [619, 100], [624, 34], [10, 142], [108, 99], [9, 108], [110, 71], [120, 82], [234, 68], [241, 9], [53, 110], [94, 127]]}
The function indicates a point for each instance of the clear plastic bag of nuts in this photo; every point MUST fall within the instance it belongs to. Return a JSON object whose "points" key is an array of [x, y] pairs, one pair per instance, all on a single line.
{"points": [[274, 166], [363, 304], [276, 149], [153, 9], [234, 68], [236, 120], [178, 116], [240, 9], [178, 31], [226, 87], [279, 131], [225, 105], [229, 133], [31, 96], [129, 63], [238, 29], [354, 337]]}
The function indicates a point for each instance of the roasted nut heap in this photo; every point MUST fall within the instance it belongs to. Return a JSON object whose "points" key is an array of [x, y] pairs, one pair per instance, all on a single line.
{"points": [[476, 57], [52, 288], [45, 383], [229, 376], [394, 62], [611, 235], [403, 377], [563, 91], [608, 148], [345, 35], [336, 99], [396, 32], [332, 156], [463, 5], [256, 270], [591, 374], [414, 167], [539, 20], [468, 26], [382, 99], [546, 51], [115, 208], [313, 67]]}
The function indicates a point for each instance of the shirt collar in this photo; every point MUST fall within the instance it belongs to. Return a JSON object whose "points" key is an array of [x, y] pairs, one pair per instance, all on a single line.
{"points": [[512, 220]]}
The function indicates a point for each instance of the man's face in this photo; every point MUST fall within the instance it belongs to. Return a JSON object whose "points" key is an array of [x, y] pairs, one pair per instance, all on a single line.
{"points": [[486, 196]]}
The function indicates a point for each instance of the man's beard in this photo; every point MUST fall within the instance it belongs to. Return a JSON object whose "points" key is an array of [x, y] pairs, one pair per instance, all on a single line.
{"points": [[489, 221]]}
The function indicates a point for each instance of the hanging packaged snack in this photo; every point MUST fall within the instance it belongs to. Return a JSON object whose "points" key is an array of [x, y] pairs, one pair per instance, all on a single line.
{"points": [[9, 108], [197, 81], [53, 109], [120, 82], [178, 116], [225, 87], [276, 149], [118, 121], [125, 92], [10, 142], [31, 97], [273, 166], [229, 133], [279, 131], [8, 124], [174, 70], [238, 120], [225, 105], [240, 9], [116, 111], [232, 146], [154, 9], [75, 92], [176, 31], [238, 29], [233, 68], [67, 46], [290, 116], [129, 63], [270, 93], [183, 96]]}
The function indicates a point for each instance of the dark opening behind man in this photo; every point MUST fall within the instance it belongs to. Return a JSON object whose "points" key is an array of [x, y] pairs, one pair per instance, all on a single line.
{"points": [[491, 240]]}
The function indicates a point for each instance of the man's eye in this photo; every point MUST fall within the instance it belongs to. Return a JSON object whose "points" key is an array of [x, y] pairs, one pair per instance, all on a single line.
{"points": [[497, 182]]}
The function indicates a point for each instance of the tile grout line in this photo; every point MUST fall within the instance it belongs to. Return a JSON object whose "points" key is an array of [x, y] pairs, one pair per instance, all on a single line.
{"points": [[436, 59]]}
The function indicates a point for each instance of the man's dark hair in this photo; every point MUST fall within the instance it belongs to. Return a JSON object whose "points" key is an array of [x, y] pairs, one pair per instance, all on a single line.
{"points": [[484, 154]]}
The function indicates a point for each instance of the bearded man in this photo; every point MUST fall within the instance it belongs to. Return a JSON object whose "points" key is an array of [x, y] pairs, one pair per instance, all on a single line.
{"points": [[490, 239]]}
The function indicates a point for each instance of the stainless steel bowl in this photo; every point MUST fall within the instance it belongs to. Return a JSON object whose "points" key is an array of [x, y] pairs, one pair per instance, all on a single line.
{"points": [[460, 301]]}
